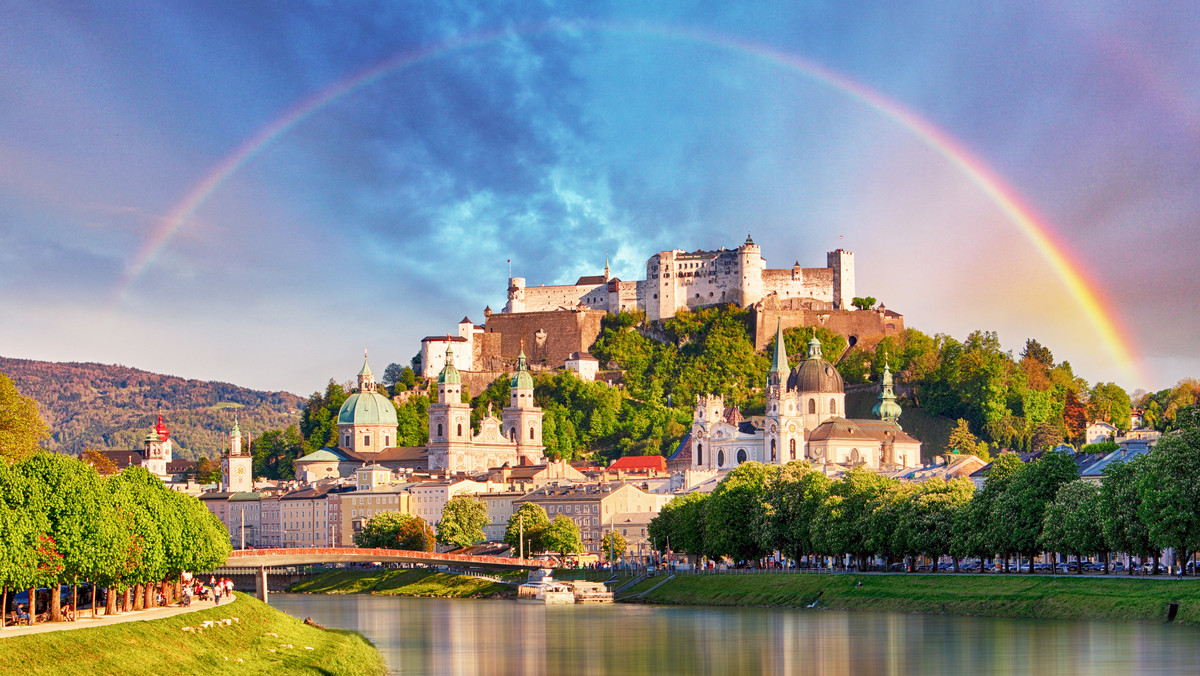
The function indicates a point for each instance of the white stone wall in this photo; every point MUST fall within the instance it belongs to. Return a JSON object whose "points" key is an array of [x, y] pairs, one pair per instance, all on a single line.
{"points": [[433, 356]]}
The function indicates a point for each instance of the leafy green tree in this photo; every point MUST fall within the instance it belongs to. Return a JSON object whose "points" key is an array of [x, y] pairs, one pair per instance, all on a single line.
{"points": [[463, 519], [532, 520], [275, 451], [1046, 436], [888, 535], [930, 520], [863, 303], [416, 535], [731, 512], [1110, 403], [137, 509], [679, 525], [1170, 491], [562, 536], [23, 531], [844, 523], [1020, 511], [791, 500], [961, 438], [1101, 447], [393, 530], [1073, 523], [612, 545], [412, 418], [21, 426], [977, 529], [1120, 505], [318, 422], [399, 378]]}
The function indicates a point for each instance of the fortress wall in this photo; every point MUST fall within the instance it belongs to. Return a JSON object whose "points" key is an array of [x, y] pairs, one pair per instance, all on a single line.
{"points": [[549, 337], [550, 298], [868, 327]]}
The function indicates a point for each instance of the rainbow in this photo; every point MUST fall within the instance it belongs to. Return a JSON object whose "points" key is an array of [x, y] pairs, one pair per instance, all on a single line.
{"points": [[1037, 230]]}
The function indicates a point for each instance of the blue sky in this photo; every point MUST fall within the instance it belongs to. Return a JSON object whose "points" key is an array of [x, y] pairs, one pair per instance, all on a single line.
{"points": [[556, 134]]}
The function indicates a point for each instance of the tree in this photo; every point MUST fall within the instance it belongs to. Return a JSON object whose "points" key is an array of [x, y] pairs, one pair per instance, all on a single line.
{"points": [[394, 530], [961, 438], [1170, 491], [731, 512], [929, 521], [844, 523], [1072, 523], [791, 500], [1120, 504], [208, 471], [21, 426], [1108, 402], [392, 375], [612, 545], [1020, 510], [679, 525], [99, 461], [531, 520], [463, 519], [863, 303], [562, 536]]}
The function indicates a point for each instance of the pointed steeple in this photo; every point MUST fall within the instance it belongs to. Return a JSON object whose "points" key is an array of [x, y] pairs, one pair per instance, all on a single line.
{"points": [[887, 409], [780, 364], [366, 379], [521, 379], [449, 374], [607, 273], [236, 431]]}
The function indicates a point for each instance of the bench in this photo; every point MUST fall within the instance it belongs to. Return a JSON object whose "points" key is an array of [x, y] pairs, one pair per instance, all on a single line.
{"points": [[16, 620]]}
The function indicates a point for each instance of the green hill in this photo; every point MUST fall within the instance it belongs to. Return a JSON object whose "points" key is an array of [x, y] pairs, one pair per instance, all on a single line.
{"points": [[105, 406]]}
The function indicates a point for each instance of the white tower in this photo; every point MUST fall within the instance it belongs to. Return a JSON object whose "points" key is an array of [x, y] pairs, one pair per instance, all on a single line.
{"points": [[237, 469], [522, 420], [158, 449]]}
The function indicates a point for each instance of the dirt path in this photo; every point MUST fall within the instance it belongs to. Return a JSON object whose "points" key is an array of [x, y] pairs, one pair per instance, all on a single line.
{"points": [[134, 616]]}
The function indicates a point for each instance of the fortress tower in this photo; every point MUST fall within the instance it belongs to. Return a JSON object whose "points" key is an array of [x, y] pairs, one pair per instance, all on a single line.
{"points": [[842, 264]]}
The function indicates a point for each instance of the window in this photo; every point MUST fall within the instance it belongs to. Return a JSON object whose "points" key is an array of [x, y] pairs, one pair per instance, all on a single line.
{"points": [[347, 442], [699, 454], [366, 440], [460, 429], [530, 432], [720, 458], [833, 405], [812, 405], [512, 433], [741, 455], [387, 440], [772, 450], [439, 429], [792, 445]]}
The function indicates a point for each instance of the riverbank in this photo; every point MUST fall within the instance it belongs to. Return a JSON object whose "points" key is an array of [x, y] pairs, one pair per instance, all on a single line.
{"points": [[262, 640], [406, 582], [1013, 596]]}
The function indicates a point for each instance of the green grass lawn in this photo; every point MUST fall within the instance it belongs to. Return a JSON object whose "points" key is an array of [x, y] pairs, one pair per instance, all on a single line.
{"points": [[1066, 598], [410, 582], [161, 647]]}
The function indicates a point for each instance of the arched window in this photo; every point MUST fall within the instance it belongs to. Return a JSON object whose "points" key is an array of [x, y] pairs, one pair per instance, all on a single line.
{"points": [[387, 441], [512, 433], [460, 429], [772, 450], [530, 432], [854, 455], [812, 405], [833, 406], [741, 455], [721, 458], [439, 429], [699, 454], [792, 446]]}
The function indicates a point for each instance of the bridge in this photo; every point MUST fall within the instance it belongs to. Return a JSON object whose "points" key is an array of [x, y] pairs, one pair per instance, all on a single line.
{"points": [[263, 559]]}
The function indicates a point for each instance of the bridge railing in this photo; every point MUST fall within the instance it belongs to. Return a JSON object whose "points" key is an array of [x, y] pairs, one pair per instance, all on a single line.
{"points": [[262, 557]]}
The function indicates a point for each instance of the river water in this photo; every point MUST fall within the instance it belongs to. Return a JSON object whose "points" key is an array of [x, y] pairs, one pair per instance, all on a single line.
{"points": [[456, 636]]}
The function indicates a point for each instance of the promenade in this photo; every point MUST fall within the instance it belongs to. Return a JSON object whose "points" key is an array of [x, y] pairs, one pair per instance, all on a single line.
{"points": [[85, 622]]}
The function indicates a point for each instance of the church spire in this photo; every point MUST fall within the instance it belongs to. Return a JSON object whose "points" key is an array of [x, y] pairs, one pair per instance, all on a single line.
{"points": [[887, 409], [366, 379], [814, 346], [780, 364], [607, 272]]}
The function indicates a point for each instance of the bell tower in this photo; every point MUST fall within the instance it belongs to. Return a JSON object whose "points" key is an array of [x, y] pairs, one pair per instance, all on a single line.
{"points": [[158, 449], [237, 466], [522, 419]]}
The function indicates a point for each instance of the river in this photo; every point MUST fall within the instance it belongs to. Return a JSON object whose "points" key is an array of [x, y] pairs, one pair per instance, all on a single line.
{"points": [[455, 636]]}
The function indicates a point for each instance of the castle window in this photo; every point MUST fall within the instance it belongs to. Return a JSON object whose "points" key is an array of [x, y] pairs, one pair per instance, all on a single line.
{"points": [[812, 405], [792, 445], [439, 429], [833, 405]]}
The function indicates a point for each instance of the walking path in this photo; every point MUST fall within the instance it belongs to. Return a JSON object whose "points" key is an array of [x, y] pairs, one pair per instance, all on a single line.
{"points": [[85, 622]]}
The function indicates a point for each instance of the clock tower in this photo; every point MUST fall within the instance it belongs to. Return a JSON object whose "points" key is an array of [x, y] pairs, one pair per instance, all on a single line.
{"points": [[237, 466]]}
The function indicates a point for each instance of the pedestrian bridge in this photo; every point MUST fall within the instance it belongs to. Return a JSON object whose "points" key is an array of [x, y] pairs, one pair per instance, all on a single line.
{"points": [[275, 558], [261, 562]]}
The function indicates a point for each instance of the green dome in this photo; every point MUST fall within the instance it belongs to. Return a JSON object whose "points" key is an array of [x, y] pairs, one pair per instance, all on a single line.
{"points": [[367, 408], [521, 380], [449, 374], [887, 409]]}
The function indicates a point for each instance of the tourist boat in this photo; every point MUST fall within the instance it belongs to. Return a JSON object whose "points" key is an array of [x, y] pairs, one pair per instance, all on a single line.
{"points": [[542, 588]]}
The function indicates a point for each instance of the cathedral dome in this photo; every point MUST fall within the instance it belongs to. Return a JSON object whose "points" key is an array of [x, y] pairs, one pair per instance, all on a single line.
{"points": [[367, 408], [815, 374]]}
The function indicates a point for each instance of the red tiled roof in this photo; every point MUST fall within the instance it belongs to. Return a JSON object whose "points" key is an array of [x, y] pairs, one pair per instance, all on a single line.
{"points": [[640, 463]]}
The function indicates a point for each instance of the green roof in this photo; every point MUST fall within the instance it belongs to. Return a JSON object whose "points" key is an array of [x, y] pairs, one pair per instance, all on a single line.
{"points": [[367, 408], [449, 374], [322, 455], [521, 379], [780, 365]]}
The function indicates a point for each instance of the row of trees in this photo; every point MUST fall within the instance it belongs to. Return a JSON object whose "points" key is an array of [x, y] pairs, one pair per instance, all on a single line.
{"points": [[1142, 507], [61, 523]]}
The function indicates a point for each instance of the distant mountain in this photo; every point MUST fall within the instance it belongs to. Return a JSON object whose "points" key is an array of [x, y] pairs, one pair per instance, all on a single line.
{"points": [[105, 406]]}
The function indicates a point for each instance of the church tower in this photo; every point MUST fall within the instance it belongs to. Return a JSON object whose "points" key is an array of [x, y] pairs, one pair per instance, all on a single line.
{"points": [[887, 409], [158, 449], [450, 419], [237, 468], [522, 419]]}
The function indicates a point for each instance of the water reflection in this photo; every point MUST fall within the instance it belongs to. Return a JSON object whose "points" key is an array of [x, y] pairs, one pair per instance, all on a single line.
{"points": [[444, 636]]}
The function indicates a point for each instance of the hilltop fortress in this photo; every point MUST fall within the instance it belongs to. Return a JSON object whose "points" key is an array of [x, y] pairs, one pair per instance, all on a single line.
{"points": [[556, 325], [677, 280]]}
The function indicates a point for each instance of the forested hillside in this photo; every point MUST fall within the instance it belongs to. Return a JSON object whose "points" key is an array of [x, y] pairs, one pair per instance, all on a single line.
{"points": [[104, 406]]}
